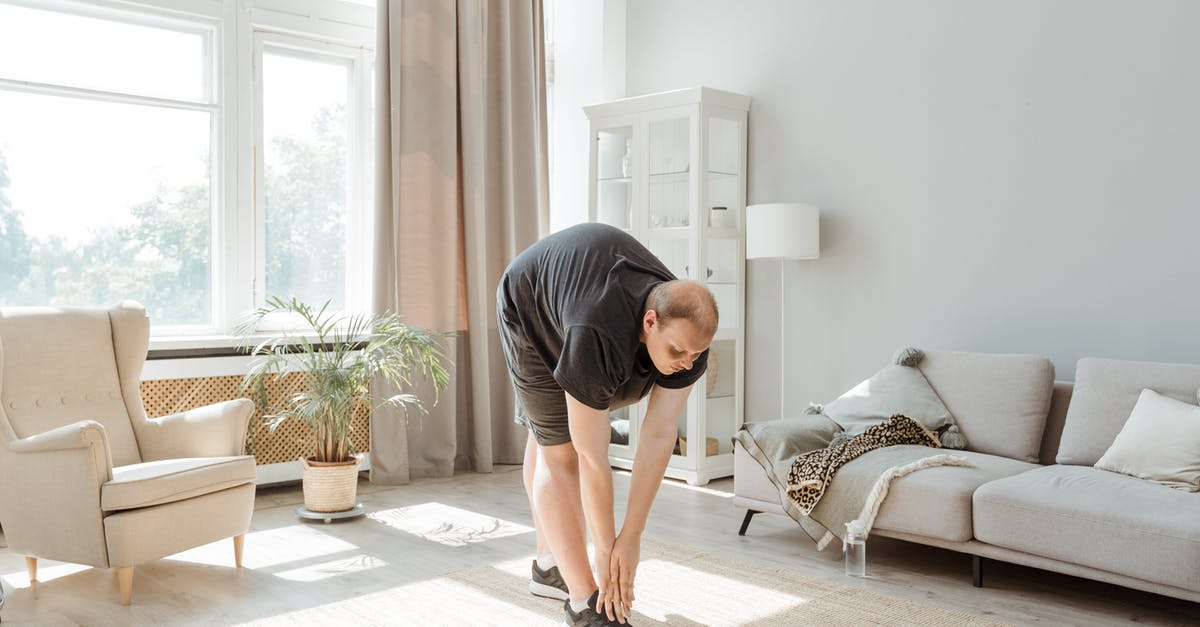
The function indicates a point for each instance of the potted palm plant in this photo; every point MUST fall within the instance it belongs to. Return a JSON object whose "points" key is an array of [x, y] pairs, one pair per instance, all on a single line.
{"points": [[326, 369]]}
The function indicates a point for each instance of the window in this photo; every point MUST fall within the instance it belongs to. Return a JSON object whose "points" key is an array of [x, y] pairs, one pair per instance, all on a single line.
{"points": [[193, 156]]}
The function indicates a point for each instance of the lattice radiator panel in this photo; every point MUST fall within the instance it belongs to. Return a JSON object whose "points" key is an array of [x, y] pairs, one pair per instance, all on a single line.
{"points": [[291, 441]]}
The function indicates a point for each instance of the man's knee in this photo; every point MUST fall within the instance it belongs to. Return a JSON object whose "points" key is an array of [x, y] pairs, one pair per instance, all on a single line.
{"points": [[558, 457]]}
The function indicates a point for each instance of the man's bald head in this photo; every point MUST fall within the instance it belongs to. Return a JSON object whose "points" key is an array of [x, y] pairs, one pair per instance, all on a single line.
{"points": [[684, 299]]}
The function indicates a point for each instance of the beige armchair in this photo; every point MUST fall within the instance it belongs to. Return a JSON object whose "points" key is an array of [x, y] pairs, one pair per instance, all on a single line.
{"points": [[85, 477]]}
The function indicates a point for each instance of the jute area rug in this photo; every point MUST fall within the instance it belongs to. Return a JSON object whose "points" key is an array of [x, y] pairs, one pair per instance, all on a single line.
{"points": [[676, 586]]}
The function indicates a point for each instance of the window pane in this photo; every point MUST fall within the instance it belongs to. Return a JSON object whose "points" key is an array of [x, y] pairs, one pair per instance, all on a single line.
{"points": [[77, 51], [306, 164], [101, 202]]}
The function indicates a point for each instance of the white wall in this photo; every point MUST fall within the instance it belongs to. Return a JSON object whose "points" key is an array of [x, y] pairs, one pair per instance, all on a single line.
{"points": [[589, 60], [994, 176]]}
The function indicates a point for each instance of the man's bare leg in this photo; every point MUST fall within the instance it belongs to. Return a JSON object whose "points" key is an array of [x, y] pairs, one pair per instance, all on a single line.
{"points": [[559, 506], [528, 468]]}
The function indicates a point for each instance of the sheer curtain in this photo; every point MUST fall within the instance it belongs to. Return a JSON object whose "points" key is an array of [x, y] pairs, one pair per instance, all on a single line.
{"points": [[462, 187]]}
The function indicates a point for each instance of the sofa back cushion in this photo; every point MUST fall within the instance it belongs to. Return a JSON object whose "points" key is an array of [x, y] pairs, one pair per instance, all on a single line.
{"points": [[1000, 402], [1105, 392], [1060, 400]]}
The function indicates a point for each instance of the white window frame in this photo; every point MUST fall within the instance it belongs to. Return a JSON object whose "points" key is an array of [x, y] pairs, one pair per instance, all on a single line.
{"points": [[358, 121], [237, 29]]}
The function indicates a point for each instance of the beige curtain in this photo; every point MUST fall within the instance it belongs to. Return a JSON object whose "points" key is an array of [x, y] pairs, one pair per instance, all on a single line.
{"points": [[462, 187]]}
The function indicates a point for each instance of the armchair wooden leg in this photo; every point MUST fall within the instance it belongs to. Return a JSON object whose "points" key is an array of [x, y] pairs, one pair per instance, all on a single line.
{"points": [[31, 566], [125, 581], [238, 543]]}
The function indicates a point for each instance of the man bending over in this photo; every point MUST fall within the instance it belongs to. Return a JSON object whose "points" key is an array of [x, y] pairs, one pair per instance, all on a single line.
{"points": [[591, 321]]}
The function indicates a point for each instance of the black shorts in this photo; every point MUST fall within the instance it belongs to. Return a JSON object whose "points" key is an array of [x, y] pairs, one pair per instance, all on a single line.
{"points": [[541, 404]]}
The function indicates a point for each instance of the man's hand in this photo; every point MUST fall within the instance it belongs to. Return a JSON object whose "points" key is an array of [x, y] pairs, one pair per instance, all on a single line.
{"points": [[623, 563], [608, 602]]}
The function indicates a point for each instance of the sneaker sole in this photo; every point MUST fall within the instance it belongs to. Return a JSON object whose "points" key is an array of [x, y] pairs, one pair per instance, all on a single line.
{"points": [[547, 592]]}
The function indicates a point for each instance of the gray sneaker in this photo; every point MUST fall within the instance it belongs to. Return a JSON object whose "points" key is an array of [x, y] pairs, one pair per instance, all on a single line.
{"points": [[548, 583], [588, 616]]}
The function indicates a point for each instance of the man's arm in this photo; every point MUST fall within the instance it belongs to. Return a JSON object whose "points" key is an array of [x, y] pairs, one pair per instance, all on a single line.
{"points": [[656, 440]]}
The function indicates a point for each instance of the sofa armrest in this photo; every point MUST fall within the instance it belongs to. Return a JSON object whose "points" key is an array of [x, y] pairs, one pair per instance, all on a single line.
{"points": [[211, 431]]}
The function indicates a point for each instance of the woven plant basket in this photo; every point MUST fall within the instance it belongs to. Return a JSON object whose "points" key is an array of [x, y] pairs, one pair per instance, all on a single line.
{"points": [[330, 486]]}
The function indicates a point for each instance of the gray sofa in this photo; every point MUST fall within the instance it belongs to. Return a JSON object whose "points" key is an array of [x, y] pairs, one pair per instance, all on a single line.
{"points": [[1033, 497]]}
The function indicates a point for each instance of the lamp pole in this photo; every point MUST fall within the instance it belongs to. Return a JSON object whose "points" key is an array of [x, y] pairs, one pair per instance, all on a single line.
{"points": [[782, 230]]}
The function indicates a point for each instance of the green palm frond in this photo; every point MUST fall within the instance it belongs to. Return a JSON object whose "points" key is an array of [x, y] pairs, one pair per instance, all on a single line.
{"points": [[340, 355]]}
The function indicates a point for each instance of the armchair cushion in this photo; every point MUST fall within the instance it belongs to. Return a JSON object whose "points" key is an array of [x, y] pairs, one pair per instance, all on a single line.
{"points": [[165, 481]]}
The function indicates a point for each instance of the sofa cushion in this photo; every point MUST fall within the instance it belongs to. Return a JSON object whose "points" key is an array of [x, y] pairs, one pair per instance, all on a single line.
{"points": [[896, 389], [999, 402], [1160, 442], [164, 481], [936, 502], [1105, 392], [1095, 518]]}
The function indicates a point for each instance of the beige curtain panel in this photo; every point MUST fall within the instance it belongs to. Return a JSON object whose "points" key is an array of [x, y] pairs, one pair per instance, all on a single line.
{"points": [[462, 187]]}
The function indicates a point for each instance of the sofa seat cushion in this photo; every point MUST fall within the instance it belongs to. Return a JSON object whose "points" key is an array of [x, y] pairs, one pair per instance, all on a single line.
{"points": [[1095, 518], [936, 502], [169, 480]]}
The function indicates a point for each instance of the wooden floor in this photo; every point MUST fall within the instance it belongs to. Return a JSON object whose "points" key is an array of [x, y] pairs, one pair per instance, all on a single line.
{"points": [[435, 526]]}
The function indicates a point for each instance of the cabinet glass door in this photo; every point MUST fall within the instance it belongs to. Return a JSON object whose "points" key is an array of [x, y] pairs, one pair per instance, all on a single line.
{"points": [[670, 165], [614, 176], [720, 397], [723, 279], [722, 174]]}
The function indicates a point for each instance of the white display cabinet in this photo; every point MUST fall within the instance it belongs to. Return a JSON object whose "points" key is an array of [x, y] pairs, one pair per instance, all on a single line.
{"points": [[670, 169]]}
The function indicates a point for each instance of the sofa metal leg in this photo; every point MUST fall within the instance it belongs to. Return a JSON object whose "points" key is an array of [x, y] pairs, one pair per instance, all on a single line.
{"points": [[976, 571], [746, 521]]}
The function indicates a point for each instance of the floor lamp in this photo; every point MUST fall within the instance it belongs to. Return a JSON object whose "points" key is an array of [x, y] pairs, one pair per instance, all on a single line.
{"points": [[783, 231]]}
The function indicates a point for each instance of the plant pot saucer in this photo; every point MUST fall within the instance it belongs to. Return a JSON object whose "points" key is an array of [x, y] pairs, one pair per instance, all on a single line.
{"points": [[328, 517]]}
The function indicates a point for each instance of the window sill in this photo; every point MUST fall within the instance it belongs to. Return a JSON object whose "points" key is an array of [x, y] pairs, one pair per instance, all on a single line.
{"points": [[199, 346], [194, 347]]}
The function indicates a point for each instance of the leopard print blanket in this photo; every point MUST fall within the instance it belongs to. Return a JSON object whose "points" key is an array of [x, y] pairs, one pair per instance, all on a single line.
{"points": [[811, 472]]}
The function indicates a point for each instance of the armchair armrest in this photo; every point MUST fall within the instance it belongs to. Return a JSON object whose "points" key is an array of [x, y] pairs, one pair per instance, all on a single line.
{"points": [[211, 431], [82, 434], [81, 440], [50, 495]]}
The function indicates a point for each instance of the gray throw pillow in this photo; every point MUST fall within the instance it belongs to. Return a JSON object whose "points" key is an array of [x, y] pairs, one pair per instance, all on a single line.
{"points": [[898, 388]]}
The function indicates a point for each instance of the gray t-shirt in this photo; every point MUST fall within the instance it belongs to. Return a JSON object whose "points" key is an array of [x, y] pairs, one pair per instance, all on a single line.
{"points": [[578, 296]]}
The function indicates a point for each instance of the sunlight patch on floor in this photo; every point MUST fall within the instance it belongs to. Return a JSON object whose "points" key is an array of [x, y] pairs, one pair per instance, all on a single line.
{"points": [[447, 525], [440, 601], [752, 602], [518, 567], [20, 578], [335, 568], [270, 547]]}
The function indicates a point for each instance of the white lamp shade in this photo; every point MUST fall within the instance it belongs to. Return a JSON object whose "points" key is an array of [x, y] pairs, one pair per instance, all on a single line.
{"points": [[783, 230]]}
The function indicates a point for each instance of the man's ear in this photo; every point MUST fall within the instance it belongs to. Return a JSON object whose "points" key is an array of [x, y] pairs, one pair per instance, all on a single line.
{"points": [[649, 319]]}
